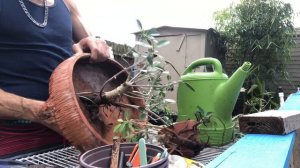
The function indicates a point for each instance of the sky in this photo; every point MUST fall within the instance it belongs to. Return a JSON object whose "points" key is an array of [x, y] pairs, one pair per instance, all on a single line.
{"points": [[115, 20]]}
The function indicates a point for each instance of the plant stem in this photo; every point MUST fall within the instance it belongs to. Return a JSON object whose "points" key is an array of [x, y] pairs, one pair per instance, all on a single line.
{"points": [[165, 85], [138, 108], [142, 78], [137, 75], [135, 97], [136, 93], [110, 95], [173, 67], [117, 74]]}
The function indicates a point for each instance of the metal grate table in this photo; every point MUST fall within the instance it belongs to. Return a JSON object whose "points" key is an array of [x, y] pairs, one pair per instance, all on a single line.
{"points": [[65, 157], [69, 157]]}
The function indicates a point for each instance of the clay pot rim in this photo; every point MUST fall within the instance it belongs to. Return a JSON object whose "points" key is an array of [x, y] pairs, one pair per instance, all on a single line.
{"points": [[78, 57]]}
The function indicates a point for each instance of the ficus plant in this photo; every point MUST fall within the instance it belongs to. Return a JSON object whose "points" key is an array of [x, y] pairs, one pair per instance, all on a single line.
{"points": [[149, 81], [149, 74], [261, 32]]}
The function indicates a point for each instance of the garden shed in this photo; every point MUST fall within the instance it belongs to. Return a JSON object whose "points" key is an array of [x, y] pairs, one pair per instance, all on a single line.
{"points": [[186, 45]]}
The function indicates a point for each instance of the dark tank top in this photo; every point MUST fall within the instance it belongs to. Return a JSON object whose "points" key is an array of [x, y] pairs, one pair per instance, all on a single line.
{"points": [[28, 53]]}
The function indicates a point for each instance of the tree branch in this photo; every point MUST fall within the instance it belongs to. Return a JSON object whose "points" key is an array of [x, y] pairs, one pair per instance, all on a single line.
{"points": [[139, 108]]}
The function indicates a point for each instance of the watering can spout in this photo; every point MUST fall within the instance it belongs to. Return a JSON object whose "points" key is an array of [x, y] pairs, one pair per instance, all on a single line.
{"points": [[227, 93], [246, 66]]}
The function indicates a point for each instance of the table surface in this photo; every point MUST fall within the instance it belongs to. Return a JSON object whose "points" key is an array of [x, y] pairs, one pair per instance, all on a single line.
{"points": [[261, 150], [253, 150]]}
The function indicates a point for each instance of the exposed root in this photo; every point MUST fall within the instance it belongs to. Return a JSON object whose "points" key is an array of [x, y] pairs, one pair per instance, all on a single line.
{"points": [[182, 138], [111, 95]]}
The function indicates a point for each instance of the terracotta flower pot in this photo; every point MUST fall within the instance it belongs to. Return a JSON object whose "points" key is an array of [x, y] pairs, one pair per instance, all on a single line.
{"points": [[68, 115]]}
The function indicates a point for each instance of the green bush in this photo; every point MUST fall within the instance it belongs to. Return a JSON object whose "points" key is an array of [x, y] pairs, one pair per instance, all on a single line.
{"points": [[262, 32]]}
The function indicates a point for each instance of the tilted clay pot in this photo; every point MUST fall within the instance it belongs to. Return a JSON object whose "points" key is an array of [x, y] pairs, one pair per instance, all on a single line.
{"points": [[67, 114]]}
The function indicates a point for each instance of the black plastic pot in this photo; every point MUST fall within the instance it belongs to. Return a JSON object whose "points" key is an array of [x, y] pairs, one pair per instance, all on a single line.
{"points": [[100, 157]]}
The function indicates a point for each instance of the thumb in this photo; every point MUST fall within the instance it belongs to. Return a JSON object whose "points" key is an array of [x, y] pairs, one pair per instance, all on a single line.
{"points": [[77, 48]]}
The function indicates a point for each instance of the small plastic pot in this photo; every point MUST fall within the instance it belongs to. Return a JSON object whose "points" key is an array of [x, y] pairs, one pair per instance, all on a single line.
{"points": [[100, 157]]}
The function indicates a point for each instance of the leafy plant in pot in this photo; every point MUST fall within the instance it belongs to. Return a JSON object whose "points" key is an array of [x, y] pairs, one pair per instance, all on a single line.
{"points": [[95, 96], [153, 82], [127, 101]]}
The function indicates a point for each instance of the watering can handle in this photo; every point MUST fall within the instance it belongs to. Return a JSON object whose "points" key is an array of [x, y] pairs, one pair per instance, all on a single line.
{"points": [[205, 61]]}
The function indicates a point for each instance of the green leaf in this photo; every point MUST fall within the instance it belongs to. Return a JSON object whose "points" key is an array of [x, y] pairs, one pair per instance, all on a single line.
{"points": [[150, 59], [122, 126], [143, 44], [139, 24], [143, 116], [200, 110], [117, 127], [151, 32], [136, 55], [160, 57], [149, 42], [127, 115], [254, 86], [151, 69], [159, 68], [143, 110], [209, 114], [171, 101], [130, 126], [162, 43], [144, 71], [127, 134], [166, 72], [199, 114], [169, 77], [157, 64]]}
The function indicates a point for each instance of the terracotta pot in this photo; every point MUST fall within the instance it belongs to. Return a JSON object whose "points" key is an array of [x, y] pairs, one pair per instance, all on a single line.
{"points": [[67, 114]]}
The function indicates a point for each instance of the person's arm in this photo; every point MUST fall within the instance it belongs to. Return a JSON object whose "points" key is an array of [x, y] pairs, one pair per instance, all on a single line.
{"points": [[17, 107], [100, 51]]}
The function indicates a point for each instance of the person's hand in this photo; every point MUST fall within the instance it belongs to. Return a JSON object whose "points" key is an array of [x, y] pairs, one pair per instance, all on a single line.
{"points": [[100, 51]]}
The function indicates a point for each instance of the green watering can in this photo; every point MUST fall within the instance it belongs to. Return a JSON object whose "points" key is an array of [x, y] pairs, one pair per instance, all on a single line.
{"points": [[210, 93]]}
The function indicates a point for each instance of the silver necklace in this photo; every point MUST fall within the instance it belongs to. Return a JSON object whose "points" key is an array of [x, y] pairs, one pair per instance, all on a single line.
{"points": [[44, 24]]}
